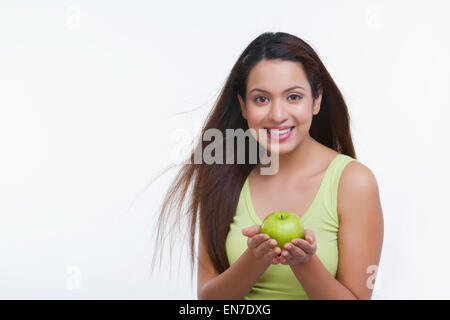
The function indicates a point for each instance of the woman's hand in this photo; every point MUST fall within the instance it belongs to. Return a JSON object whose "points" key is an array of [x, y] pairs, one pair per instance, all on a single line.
{"points": [[261, 245], [299, 250]]}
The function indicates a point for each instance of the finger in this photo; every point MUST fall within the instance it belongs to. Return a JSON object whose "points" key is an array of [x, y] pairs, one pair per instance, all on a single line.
{"points": [[286, 256], [276, 252], [256, 240], [304, 245], [295, 251], [282, 259], [314, 246], [309, 236], [276, 259], [251, 231], [264, 248]]}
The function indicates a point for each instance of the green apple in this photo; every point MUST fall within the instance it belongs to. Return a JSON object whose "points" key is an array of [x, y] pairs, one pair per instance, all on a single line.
{"points": [[283, 226]]}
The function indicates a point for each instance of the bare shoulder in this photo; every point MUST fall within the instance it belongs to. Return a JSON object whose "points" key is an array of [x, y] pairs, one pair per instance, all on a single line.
{"points": [[358, 188], [361, 228], [357, 174]]}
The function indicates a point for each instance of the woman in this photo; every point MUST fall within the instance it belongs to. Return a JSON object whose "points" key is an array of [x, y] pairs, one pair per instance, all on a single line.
{"points": [[280, 88]]}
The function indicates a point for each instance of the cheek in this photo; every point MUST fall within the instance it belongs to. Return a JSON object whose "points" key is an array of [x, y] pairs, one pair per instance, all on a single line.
{"points": [[304, 114], [255, 116]]}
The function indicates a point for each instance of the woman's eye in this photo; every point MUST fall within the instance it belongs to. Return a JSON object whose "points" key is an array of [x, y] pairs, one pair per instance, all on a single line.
{"points": [[296, 95], [257, 98]]}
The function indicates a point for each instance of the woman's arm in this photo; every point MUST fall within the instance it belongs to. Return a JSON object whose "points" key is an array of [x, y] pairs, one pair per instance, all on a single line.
{"points": [[319, 283], [237, 281], [360, 241]]}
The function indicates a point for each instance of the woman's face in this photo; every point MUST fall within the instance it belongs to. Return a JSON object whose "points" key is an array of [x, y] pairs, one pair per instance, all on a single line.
{"points": [[278, 94]]}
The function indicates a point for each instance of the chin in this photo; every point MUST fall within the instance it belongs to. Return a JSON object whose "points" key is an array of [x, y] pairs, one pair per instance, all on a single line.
{"points": [[283, 149]]}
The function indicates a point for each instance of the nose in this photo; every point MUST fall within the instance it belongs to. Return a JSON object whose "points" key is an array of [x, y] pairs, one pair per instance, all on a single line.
{"points": [[278, 112]]}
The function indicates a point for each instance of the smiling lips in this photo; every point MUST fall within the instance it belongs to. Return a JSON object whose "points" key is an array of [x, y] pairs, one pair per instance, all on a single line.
{"points": [[280, 133]]}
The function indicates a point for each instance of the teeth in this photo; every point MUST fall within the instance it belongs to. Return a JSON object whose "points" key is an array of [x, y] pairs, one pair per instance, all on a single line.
{"points": [[279, 132]]}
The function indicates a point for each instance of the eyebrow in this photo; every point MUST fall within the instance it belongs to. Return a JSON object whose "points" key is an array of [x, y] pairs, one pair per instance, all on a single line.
{"points": [[289, 89]]}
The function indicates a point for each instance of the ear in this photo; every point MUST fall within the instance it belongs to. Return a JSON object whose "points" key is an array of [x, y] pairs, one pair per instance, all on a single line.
{"points": [[243, 107], [317, 101]]}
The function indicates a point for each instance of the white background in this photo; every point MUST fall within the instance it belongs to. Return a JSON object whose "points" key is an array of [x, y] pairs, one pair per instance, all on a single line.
{"points": [[91, 94]]}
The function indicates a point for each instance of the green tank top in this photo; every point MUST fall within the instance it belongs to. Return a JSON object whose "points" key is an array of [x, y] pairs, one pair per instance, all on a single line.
{"points": [[278, 281]]}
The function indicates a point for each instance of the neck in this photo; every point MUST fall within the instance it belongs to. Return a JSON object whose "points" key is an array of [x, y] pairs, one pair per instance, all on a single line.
{"points": [[300, 160]]}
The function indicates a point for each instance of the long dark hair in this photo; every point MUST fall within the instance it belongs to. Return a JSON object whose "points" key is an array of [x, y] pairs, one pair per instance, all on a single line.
{"points": [[214, 189]]}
